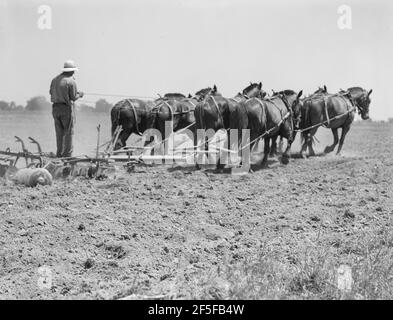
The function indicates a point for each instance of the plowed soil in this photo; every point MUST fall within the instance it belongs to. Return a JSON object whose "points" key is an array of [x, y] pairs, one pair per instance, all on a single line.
{"points": [[178, 232]]}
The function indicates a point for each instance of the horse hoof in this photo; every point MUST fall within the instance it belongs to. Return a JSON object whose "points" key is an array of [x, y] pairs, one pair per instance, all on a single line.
{"points": [[264, 165], [328, 150], [284, 160]]}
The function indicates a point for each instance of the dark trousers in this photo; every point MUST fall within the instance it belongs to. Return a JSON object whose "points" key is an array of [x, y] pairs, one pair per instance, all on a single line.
{"points": [[64, 117]]}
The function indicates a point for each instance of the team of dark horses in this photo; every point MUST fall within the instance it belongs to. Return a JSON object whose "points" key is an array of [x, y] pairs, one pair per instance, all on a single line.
{"points": [[282, 114]]}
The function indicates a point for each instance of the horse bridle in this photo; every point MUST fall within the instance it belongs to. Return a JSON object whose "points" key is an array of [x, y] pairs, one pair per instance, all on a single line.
{"points": [[202, 97], [360, 108], [290, 108], [354, 102], [247, 97]]}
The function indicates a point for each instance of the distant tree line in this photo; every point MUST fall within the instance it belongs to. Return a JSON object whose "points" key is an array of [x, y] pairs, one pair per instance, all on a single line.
{"points": [[5, 106], [100, 106], [39, 103]]}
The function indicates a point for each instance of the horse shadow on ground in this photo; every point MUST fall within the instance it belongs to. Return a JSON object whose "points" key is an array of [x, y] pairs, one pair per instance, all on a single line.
{"points": [[272, 162], [182, 168], [226, 170], [298, 155]]}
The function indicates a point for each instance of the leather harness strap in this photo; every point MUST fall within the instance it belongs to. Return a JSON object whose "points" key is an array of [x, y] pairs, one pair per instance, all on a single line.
{"points": [[353, 108], [234, 99], [170, 109], [135, 115], [218, 110], [326, 109], [271, 100], [342, 96], [192, 103], [188, 109], [289, 109], [157, 107], [264, 110]]}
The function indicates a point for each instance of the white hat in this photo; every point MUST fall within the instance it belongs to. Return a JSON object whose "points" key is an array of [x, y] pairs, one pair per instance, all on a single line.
{"points": [[69, 65]]}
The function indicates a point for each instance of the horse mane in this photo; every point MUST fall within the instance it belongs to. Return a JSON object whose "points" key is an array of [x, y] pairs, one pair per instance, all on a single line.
{"points": [[251, 87], [321, 90], [287, 92], [204, 92], [356, 89]]}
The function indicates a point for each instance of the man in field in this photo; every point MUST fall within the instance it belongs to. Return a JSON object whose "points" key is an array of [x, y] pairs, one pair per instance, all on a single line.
{"points": [[64, 93]]}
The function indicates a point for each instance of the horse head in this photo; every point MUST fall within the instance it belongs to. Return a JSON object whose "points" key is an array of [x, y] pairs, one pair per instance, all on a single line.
{"points": [[297, 109], [254, 90], [293, 101], [203, 93], [321, 90], [362, 100]]}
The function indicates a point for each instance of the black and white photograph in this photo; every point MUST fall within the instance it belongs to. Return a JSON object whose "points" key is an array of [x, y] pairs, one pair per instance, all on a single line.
{"points": [[183, 150]]}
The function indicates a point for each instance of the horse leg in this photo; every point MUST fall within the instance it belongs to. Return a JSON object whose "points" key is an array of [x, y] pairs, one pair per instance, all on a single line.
{"points": [[287, 153], [335, 135], [308, 143], [273, 148], [220, 165], [311, 151], [161, 144], [266, 151], [280, 145], [197, 156], [122, 140], [305, 136], [344, 132], [249, 160], [238, 148]]}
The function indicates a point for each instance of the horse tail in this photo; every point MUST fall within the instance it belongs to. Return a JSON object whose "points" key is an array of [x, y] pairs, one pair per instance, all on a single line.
{"points": [[151, 115], [241, 115], [115, 117], [199, 113], [304, 138], [307, 123]]}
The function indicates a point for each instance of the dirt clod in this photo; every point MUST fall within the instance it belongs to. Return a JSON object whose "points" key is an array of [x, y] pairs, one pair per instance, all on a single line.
{"points": [[349, 214], [260, 234], [89, 263]]}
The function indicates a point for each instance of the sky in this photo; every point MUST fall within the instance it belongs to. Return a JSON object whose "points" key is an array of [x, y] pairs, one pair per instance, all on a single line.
{"points": [[150, 47]]}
